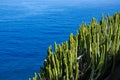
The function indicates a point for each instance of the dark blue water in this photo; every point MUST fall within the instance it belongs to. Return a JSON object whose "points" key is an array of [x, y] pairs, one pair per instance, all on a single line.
{"points": [[28, 27]]}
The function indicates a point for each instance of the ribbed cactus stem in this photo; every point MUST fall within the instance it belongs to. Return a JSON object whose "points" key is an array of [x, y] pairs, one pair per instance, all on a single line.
{"points": [[76, 71]]}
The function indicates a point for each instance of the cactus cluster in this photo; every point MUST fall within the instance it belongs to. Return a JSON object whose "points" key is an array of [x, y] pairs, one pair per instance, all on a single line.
{"points": [[87, 55]]}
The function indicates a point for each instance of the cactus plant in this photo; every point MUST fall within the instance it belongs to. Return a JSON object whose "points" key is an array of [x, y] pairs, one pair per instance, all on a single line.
{"points": [[86, 55]]}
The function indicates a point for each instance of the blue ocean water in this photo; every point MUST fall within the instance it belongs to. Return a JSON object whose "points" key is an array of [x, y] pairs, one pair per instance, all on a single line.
{"points": [[28, 27]]}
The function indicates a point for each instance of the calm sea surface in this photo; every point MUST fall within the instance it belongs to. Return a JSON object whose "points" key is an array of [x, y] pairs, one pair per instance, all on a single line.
{"points": [[28, 27]]}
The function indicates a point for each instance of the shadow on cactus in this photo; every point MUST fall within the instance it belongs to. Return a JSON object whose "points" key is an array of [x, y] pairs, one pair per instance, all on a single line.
{"points": [[88, 55]]}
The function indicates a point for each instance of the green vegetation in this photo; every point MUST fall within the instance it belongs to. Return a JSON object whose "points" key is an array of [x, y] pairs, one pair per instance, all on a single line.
{"points": [[89, 55]]}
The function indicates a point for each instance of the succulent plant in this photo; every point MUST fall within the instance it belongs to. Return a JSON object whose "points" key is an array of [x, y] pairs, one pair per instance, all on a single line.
{"points": [[87, 55]]}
